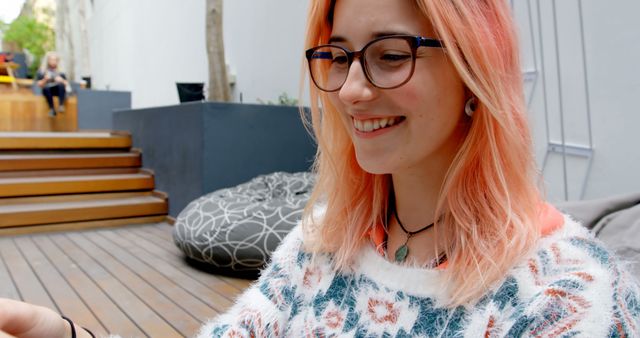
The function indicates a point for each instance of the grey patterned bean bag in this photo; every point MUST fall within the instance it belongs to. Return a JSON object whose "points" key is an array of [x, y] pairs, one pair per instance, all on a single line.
{"points": [[237, 228]]}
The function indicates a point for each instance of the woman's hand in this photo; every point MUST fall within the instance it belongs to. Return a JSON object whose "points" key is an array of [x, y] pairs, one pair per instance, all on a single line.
{"points": [[44, 80], [60, 79], [31, 321]]}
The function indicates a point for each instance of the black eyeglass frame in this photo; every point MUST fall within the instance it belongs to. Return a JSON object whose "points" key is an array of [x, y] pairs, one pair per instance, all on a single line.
{"points": [[414, 43]]}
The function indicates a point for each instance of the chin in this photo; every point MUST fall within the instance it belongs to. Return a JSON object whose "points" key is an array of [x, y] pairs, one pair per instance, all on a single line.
{"points": [[374, 167]]}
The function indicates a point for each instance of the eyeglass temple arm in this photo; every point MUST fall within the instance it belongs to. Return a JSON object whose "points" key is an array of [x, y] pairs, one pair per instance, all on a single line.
{"points": [[319, 55], [426, 42]]}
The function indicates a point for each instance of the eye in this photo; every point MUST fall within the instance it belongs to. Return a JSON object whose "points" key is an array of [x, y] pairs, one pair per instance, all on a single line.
{"points": [[392, 57], [340, 59]]}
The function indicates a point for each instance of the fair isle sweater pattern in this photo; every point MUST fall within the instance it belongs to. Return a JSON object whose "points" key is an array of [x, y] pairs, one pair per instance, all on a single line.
{"points": [[571, 286]]}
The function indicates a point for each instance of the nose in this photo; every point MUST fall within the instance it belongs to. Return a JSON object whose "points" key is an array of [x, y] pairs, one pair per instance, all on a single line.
{"points": [[356, 87]]}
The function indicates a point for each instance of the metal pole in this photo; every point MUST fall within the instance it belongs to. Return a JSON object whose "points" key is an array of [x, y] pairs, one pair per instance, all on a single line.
{"points": [[544, 84], [586, 74], [560, 101], [535, 55]]}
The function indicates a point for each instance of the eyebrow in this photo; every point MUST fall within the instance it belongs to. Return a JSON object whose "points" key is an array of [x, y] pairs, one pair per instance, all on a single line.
{"points": [[339, 38]]}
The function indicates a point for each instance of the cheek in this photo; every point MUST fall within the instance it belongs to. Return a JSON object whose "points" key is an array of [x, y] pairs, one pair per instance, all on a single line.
{"points": [[409, 97], [435, 100], [416, 101]]}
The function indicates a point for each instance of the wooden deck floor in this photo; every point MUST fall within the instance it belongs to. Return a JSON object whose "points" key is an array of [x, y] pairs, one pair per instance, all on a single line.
{"points": [[130, 281]]}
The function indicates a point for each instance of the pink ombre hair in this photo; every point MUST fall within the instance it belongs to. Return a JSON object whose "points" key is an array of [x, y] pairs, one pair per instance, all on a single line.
{"points": [[489, 199]]}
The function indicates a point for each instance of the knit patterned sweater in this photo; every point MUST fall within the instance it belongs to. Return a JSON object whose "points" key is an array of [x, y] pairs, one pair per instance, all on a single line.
{"points": [[571, 286]]}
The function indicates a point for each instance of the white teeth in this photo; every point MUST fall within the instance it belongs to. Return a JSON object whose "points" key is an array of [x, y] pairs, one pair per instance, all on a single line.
{"points": [[368, 126], [373, 124]]}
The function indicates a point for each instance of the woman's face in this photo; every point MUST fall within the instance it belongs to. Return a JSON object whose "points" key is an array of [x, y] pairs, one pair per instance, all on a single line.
{"points": [[52, 61], [427, 110]]}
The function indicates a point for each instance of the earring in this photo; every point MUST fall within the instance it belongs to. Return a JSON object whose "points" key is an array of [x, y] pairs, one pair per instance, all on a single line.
{"points": [[470, 106]]}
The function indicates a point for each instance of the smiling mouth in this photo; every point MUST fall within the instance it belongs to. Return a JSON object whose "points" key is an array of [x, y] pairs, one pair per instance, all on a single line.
{"points": [[370, 125]]}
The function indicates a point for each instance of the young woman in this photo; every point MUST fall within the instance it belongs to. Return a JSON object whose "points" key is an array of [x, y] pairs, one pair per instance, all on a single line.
{"points": [[426, 219], [52, 81]]}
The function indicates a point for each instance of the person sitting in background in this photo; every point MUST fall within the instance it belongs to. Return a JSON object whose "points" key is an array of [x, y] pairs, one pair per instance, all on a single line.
{"points": [[52, 81]]}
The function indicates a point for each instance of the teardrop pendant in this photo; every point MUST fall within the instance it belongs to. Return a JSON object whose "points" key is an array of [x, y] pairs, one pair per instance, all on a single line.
{"points": [[401, 253]]}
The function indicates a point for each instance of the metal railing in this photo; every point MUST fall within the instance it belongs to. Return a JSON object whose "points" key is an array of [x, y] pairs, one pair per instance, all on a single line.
{"points": [[533, 22]]}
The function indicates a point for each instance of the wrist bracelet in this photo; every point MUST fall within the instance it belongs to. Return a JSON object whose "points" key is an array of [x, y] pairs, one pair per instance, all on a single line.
{"points": [[73, 328], [89, 332]]}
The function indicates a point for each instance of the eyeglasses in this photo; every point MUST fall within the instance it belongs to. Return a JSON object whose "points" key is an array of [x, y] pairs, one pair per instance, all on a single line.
{"points": [[387, 62]]}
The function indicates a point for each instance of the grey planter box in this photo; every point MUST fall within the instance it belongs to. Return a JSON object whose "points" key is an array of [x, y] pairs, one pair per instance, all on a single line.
{"points": [[199, 147], [95, 107]]}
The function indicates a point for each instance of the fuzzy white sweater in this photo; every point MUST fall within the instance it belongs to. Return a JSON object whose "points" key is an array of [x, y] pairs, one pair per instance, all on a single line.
{"points": [[571, 286]]}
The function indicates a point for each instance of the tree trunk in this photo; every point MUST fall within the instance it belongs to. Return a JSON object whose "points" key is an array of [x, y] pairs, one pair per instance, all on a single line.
{"points": [[219, 89]]}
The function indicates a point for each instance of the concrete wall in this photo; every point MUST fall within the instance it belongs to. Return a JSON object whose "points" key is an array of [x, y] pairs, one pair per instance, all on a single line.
{"points": [[196, 148], [111, 46], [264, 47], [146, 46]]}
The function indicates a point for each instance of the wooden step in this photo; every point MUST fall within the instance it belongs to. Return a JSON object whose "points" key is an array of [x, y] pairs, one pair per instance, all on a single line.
{"points": [[78, 197], [76, 208], [52, 185], [65, 140], [41, 161], [68, 172]]}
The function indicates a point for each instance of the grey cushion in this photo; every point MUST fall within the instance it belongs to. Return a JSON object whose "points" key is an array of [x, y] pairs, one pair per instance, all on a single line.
{"points": [[238, 228], [616, 221]]}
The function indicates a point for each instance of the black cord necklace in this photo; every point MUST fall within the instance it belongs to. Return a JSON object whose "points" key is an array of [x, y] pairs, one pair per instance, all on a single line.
{"points": [[403, 251]]}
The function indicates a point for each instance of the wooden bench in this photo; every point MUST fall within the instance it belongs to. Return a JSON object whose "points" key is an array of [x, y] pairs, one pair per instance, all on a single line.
{"points": [[21, 110]]}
